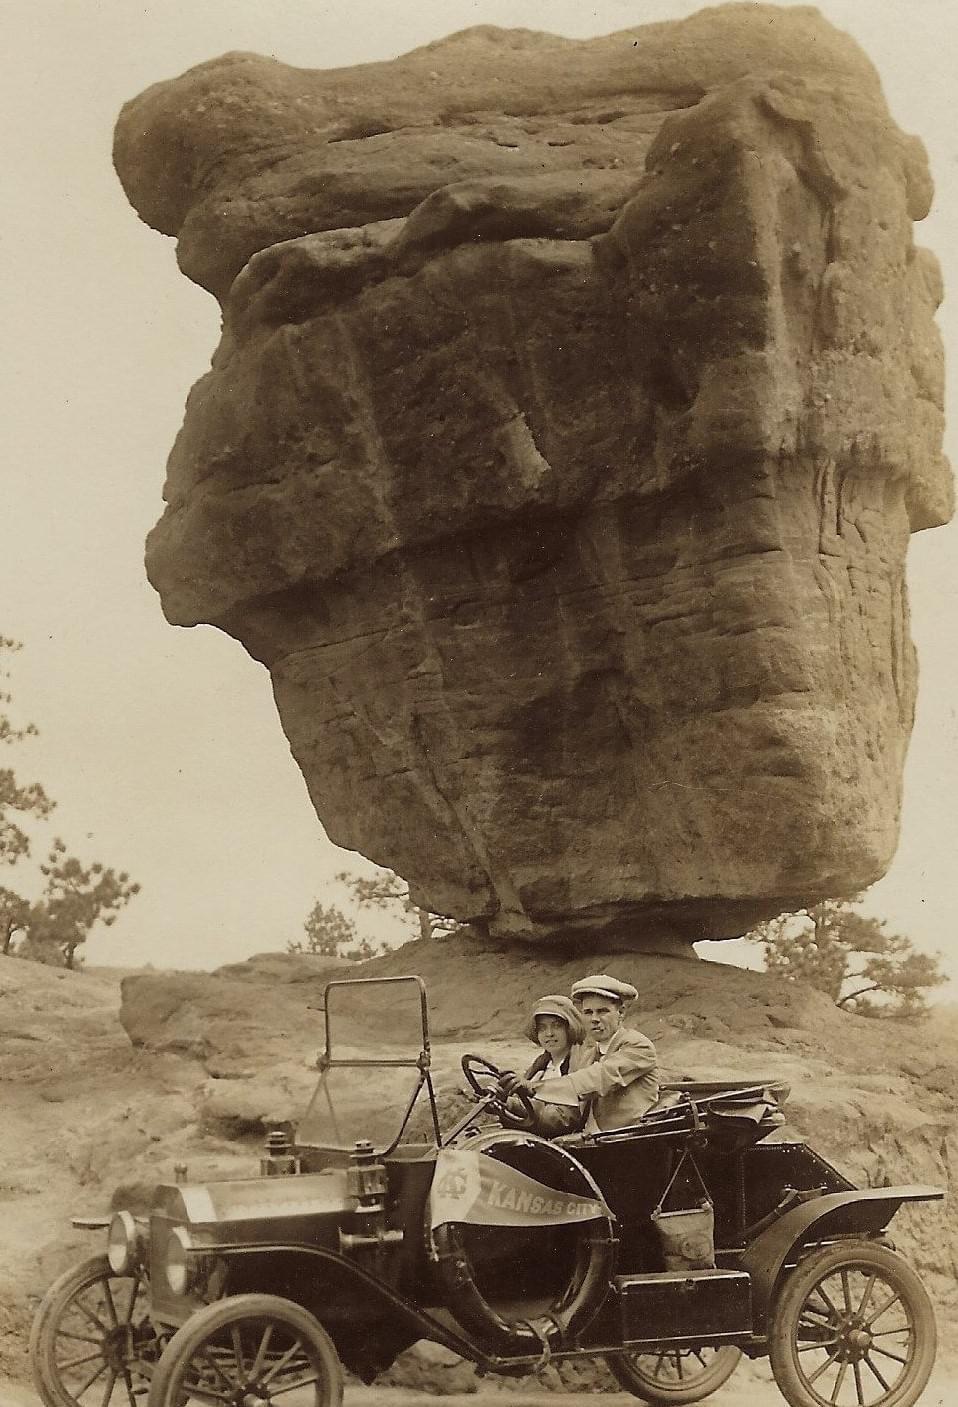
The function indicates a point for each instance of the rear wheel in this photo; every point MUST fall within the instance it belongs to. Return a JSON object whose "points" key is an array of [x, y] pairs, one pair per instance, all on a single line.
{"points": [[246, 1351], [852, 1327], [91, 1344], [675, 1375]]}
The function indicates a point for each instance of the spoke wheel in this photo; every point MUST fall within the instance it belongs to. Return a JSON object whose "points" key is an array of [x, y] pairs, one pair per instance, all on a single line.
{"points": [[91, 1344], [675, 1375], [249, 1351], [853, 1327]]}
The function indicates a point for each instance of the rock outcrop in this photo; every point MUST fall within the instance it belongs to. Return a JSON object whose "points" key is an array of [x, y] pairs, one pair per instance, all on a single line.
{"points": [[574, 406]]}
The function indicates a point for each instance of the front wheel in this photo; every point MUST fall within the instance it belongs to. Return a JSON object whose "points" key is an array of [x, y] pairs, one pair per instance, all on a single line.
{"points": [[249, 1349], [852, 1327], [91, 1343], [675, 1375]]}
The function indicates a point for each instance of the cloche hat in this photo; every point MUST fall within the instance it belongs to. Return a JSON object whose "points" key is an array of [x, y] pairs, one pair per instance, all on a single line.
{"points": [[564, 1009]]}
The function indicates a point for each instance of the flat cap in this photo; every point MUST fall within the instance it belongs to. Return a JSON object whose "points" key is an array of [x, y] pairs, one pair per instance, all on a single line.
{"points": [[603, 985]]}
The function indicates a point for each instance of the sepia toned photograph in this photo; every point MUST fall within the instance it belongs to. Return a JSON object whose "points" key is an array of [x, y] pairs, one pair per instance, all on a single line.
{"points": [[478, 704]]}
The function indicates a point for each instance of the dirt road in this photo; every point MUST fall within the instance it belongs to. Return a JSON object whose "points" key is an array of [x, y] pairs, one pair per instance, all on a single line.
{"points": [[753, 1389]]}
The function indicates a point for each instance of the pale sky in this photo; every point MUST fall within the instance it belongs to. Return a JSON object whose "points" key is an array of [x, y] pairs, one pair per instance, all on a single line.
{"points": [[162, 745]]}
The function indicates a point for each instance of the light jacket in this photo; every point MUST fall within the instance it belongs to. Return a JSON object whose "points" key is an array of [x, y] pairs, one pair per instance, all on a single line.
{"points": [[620, 1085]]}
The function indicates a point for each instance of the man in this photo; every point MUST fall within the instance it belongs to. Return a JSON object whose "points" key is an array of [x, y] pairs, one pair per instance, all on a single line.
{"points": [[621, 1081]]}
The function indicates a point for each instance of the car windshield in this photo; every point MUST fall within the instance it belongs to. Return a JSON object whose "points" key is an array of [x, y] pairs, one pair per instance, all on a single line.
{"points": [[375, 1036], [376, 1019]]}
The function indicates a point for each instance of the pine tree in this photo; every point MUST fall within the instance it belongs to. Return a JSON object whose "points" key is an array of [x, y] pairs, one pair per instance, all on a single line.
{"points": [[387, 891], [75, 897], [328, 932], [851, 957]]}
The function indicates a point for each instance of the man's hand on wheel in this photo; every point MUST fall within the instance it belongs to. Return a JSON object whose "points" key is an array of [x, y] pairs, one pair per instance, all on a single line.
{"points": [[510, 1083]]}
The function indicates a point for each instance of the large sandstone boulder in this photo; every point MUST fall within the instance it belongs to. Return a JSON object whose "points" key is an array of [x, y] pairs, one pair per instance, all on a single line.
{"points": [[574, 406]]}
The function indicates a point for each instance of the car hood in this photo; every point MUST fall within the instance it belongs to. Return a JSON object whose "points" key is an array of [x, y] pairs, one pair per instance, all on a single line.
{"points": [[254, 1199]]}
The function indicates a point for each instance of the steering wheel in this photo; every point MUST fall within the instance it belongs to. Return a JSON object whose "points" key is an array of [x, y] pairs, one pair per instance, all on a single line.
{"points": [[475, 1067]]}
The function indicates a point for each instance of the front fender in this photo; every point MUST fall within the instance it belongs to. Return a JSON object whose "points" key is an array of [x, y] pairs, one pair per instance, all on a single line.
{"points": [[311, 1260], [863, 1212]]}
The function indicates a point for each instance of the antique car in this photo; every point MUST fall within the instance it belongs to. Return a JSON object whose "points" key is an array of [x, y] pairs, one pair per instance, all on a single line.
{"points": [[669, 1249]]}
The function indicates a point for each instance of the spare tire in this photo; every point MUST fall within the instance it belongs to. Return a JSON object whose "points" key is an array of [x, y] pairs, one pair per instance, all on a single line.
{"points": [[495, 1280]]}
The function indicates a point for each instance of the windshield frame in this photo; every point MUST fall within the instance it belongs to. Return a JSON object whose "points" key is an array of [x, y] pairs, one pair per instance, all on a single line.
{"points": [[420, 1061], [328, 1060]]}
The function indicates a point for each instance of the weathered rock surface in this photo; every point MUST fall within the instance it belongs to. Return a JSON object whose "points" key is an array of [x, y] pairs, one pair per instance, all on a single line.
{"points": [[574, 406], [214, 1017]]}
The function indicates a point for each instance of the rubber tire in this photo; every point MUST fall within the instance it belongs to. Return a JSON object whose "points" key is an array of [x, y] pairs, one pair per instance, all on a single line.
{"points": [[46, 1321], [795, 1290], [648, 1389], [165, 1387]]}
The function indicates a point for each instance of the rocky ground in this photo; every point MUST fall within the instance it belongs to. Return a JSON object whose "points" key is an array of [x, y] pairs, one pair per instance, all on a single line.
{"points": [[190, 1067], [746, 1389]]}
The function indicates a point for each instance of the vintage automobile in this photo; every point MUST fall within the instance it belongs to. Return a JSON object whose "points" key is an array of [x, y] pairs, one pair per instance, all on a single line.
{"points": [[668, 1249]]}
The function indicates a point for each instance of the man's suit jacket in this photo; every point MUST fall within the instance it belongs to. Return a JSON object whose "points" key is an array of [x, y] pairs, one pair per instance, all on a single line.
{"points": [[620, 1085]]}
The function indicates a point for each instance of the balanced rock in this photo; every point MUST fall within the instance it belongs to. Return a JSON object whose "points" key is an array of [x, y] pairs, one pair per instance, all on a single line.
{"points": [[574, 406]]}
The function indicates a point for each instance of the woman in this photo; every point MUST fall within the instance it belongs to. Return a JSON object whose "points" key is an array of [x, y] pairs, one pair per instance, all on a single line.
{"points": [[556, 1025]]}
